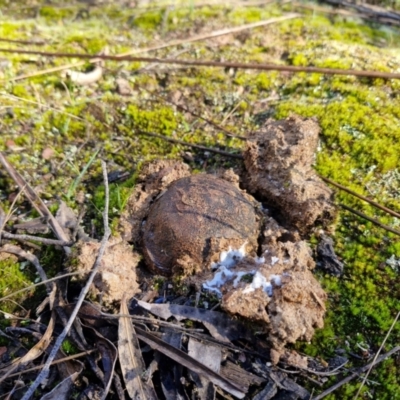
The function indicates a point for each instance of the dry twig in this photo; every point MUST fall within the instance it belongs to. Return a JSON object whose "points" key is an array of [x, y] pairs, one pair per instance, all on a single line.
{"points": [[44, 373], [35, 200], [377, 354], [210, 63], [179, 42], [374, 203], [357, 373], [370, 219], [47, 241]]}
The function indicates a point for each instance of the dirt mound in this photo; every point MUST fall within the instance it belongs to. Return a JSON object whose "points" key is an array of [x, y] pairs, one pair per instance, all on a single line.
{"points": [[278, 161], [117, 273]]}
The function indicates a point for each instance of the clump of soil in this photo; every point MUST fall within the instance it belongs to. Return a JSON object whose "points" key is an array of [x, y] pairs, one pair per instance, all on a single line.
{"points": [[295, 305], [117, 273], [195, 219], [278, 161]]}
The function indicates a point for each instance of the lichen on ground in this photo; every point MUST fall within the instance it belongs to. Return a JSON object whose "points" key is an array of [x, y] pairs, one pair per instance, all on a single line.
{"points": [[359, 119]]}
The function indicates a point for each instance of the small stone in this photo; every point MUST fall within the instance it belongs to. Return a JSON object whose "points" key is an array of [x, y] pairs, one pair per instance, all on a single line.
{"points": [[48, 153], [123, 87]]}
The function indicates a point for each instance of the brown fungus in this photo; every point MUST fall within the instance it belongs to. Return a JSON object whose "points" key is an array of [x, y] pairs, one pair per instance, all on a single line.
{"points": [[195, 219]]}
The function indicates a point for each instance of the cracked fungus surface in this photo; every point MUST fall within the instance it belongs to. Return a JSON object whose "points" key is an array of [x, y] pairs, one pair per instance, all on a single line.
{"points": [[194, 219]]}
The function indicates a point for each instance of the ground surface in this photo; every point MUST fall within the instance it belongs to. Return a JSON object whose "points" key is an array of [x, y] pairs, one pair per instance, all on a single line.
{"points": [[55, 131]]}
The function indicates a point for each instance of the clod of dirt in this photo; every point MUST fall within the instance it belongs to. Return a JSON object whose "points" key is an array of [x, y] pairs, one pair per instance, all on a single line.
{"points": [[278, 161], [282, 292], [195, 219], [117, 273]]}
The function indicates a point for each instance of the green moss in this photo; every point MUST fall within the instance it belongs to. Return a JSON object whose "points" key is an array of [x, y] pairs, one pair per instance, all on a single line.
{"points": [[13, 278], [69, 348], [54, 13], [148, 21]]}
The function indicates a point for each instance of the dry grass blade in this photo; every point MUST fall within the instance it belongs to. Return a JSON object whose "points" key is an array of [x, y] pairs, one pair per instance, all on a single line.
{"points": [[35, 200], [38, 284], [56, 362], [194, 114], [130, 358], [36, 351], [40, 105], [217, 64], [190, 363]]}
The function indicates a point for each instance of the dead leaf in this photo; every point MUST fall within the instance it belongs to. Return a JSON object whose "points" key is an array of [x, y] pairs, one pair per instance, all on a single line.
{"points": [[170, 371], [67, 219], [130, 358], [67, 367], [221, 326], [63, 389], [209, 356], [36, 351], [190, 363], [108, 354]]}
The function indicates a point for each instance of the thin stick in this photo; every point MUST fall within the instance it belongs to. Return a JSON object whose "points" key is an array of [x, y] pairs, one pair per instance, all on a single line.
{"points": [[192, 39], [374, 203], [48, 241], [377, 354], [196, 146], [210, 63], [357, 373], [58, 361], [38, 284], [45, 371], [13, 97], [35, 200], [373, 220], [4, 218], [33, 42]]}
